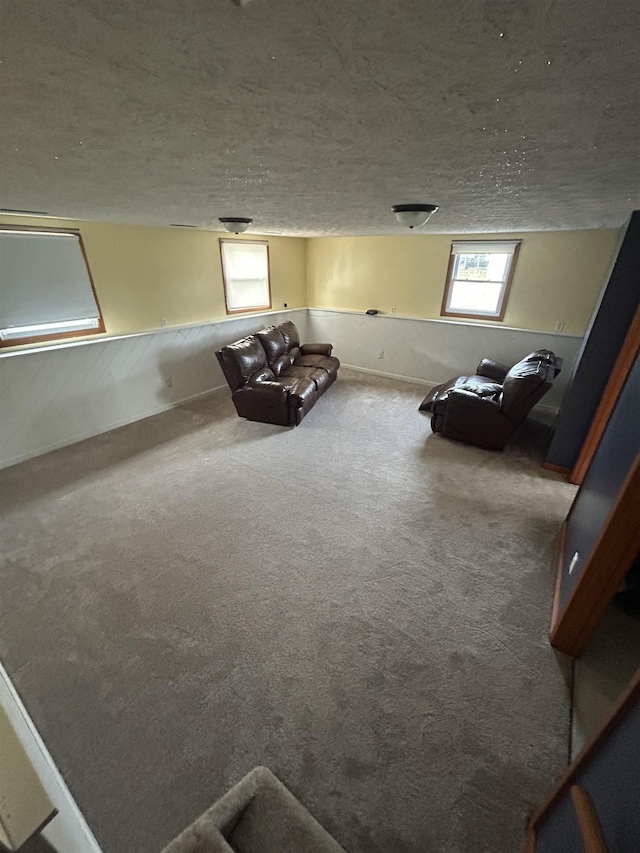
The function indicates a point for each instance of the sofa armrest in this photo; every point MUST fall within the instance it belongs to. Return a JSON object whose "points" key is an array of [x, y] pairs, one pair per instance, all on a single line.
{"points": [[264, 401], [316, 349], [492, 370], [475, 420]]}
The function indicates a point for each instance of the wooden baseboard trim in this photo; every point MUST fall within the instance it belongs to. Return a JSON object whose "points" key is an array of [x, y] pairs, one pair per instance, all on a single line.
{"points": [[616, 547], [624, 705], [530, 841], [559, 469], [621, 369], [559, 567]]}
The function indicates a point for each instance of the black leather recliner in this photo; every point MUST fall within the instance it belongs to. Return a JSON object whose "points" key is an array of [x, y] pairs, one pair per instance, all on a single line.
{"points": [[485, 409]]}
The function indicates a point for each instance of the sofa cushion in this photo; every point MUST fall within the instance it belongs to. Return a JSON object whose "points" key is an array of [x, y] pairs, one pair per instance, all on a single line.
{"points": [[262, 375], [301, 388], [273, 342], [321, 378], [522, 380], [281, 364], [242, 359], [290, 334], [304, 393], [481, 385], [492, 390], [326, 362], [298, 370]]}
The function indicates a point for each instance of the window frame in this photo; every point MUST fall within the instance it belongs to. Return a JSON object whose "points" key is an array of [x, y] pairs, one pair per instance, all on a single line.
{"points": [[57, 336], [254, 308], [506, 289]]}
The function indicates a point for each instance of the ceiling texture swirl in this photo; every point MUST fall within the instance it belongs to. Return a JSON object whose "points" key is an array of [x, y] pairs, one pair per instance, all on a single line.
{"points": [[315, 116]]}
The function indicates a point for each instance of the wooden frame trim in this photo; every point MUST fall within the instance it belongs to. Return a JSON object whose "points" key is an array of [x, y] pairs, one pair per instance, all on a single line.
{"points": [[618, 544], [559, 566], [559, 469], [529, 841], [627, 701], [252, 308], [588, 822], [100, 329], [498, 318], [625, 361]]}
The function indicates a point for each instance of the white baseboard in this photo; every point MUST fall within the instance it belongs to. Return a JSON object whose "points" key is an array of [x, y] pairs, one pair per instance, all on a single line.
{"points": [[414, 380], [552, 410], [15, 460], [68, 832]]}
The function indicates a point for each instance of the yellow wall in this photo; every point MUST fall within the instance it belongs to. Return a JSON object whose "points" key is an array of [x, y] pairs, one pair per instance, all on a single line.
{"points": [[143, 274], [558, 275]]}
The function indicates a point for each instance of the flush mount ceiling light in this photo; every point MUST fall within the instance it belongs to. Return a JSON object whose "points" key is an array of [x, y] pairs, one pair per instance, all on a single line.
{"points": [[236, 224], [413, 215]]}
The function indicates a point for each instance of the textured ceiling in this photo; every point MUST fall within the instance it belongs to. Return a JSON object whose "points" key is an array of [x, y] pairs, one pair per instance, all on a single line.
{"points": [[315, 116]]}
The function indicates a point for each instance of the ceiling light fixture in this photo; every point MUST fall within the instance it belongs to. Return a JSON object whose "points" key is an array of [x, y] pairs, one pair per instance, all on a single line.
{"points": [[413, 215], [236, 224]]}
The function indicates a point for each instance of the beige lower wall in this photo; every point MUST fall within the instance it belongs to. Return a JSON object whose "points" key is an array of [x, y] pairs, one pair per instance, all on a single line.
{"points": [[145, 274], [558, 275]]}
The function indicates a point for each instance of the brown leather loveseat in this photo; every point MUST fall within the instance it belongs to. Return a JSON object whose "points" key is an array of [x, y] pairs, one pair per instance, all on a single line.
{"points": [[275, 380], [486, 408]]}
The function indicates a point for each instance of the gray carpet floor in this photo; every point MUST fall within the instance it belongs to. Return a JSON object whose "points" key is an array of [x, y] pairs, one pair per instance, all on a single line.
{"points": [[356, 603]]}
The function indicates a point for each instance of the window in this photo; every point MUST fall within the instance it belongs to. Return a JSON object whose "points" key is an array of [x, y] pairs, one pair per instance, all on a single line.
{"points": [[46, 290], [479, 279], [245, 273]]}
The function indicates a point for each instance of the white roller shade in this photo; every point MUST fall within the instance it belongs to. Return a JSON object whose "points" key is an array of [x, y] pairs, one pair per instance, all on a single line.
{"points": [[246, 274], [43, 279], [485, 247]]}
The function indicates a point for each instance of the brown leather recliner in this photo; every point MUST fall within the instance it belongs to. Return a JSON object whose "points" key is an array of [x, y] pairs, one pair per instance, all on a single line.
{"points": [[486, 408], [273, 379]]}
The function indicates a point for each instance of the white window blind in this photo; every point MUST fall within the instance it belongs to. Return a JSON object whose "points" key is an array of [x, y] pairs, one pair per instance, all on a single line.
{"points": [[246, 274], [44, 284], [484, 247]]}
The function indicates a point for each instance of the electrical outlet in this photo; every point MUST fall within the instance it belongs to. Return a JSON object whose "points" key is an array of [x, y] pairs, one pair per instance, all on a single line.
{"points": [[163, 322], [381, 354], [393, 310], [574, 562], [168, 381], [559, 326]]}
